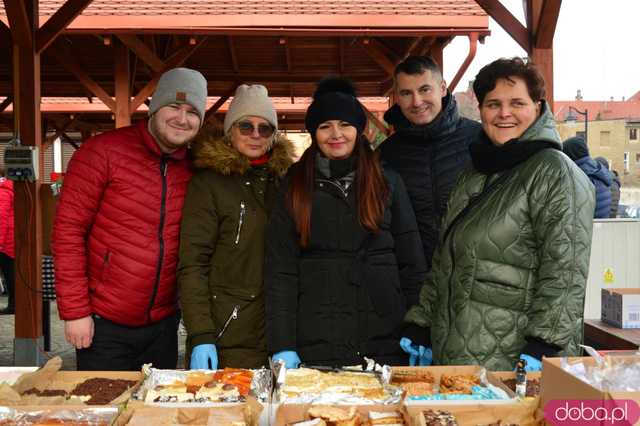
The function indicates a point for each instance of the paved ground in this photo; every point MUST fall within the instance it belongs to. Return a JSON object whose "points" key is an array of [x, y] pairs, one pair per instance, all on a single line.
{"points": [[58, 345]]}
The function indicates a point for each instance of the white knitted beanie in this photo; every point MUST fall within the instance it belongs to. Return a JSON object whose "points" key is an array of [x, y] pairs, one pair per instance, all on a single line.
{"points": [[250, 100]]}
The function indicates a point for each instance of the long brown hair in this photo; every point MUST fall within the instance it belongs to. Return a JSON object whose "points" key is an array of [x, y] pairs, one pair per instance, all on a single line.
{"points": [[372, 189]]}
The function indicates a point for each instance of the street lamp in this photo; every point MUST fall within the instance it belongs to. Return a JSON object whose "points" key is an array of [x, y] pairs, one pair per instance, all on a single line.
{"points": [[572, 118]]}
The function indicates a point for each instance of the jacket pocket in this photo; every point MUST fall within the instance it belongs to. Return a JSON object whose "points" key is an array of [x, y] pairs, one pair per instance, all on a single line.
{"points": [[315, 310], [382, 282], [238, 317]]}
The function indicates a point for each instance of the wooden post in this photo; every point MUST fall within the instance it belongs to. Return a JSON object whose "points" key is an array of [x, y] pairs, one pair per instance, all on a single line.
{"points": [[122, 75], [28, 348], [543, 58]]}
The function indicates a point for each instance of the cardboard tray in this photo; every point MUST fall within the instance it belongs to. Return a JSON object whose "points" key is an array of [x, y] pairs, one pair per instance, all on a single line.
{"points": [[292, 413], [438, 371], [50, 377], [523, 413], [143, 415]]}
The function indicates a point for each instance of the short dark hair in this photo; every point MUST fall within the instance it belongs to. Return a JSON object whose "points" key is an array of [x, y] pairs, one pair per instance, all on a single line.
{"points": [[505, 68], [416, 65]]}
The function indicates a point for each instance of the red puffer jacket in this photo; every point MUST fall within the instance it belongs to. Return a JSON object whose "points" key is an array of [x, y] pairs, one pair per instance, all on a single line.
{"points": [[7, 242], [117, 227]]}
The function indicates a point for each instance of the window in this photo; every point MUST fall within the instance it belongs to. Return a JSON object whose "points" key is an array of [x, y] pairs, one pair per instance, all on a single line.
{"points": [[605, 138], [633, 134], [626, 162], [637, 157]]}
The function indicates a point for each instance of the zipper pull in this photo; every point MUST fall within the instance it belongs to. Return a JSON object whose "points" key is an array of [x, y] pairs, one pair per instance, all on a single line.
{"points": [[234, 314], [240, 221]]}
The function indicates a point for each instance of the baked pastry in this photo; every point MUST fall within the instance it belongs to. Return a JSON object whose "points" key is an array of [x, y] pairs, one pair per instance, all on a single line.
{"points": [[312, 422], [334, 416], [533, 386], [387, 418], [437, 418], [305, 380], [460, 384]]}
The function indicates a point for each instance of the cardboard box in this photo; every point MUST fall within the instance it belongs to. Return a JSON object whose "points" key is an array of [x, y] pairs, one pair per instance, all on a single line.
{"points": [[621, 307], [558, 384]]}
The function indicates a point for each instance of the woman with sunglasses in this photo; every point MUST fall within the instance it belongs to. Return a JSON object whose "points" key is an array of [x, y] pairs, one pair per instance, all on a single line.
{"points": [[220, 274], [344, 258]]}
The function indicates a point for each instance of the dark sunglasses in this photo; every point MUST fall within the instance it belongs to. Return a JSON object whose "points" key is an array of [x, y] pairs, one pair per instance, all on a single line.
{"points": [[246, 129]]}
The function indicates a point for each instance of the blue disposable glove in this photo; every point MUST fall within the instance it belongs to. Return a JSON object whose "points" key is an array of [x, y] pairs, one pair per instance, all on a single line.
{"points": [[290, 358], [532, 364], [204, 357], [418, 354]]}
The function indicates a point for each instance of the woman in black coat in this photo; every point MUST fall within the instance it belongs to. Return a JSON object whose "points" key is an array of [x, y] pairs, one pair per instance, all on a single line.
{"points": [[344, 259]]}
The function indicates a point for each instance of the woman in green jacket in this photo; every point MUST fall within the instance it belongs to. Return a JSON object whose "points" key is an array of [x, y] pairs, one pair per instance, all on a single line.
{"points": [[220, 274], [510, 270]]}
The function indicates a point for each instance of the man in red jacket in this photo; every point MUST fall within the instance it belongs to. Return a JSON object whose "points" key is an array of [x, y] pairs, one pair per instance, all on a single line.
{"points": [[7, 242], [116, 233]]}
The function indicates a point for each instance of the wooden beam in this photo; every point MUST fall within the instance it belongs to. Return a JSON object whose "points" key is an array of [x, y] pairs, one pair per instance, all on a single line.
{"points": [[28, 214], [426, 46], [5, 31], [287, 54], [7, 101], [72, 65], [473, 46], [58, 22], [216, 106], [411, 47], [547, 22], [543, 58], [340, 55], [378, 54], [19, 23], [507, 21], [232, 54], [122, 76], [175, 60], [142, 51]]}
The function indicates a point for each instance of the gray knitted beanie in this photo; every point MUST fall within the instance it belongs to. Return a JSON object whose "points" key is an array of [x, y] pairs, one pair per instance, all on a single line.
{"points": [[250, 100], [182, 86]]}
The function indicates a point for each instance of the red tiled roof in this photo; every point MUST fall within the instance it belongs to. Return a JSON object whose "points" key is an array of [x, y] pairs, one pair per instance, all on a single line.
{"points": [[598, 110], [120, 14], [269, 7]]}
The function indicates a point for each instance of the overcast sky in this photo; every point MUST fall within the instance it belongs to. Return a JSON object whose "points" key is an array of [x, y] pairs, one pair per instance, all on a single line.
{"points": [[595, 49]]}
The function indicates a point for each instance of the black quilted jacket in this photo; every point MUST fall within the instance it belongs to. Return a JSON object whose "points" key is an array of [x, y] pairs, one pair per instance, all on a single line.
{"points": [[429, 159]]}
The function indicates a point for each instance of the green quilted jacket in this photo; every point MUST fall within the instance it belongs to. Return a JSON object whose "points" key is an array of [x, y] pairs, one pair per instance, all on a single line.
{"points": [[515, 266]]}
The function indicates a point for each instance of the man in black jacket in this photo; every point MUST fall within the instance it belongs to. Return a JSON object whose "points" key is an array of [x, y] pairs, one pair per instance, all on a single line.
{"points": [[428, 149], [430, 145]]}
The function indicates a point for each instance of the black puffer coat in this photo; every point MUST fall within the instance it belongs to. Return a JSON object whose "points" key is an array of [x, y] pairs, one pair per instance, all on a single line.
{"points": [[335, 301], [429, 159]]}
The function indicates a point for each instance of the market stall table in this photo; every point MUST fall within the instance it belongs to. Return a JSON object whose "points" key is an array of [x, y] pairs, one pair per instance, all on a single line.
{"points": [[604, 336]]}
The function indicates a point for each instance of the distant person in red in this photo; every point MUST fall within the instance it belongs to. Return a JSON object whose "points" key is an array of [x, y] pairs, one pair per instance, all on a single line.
{"points": [[117, 229], [7, 242]]}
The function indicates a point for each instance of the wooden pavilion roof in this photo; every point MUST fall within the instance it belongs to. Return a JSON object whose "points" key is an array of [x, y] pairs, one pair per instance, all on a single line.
{"points": [[286, 45]]}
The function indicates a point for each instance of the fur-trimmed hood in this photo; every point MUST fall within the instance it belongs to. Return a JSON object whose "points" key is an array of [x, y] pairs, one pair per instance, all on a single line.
{"points": [[210, 151]]}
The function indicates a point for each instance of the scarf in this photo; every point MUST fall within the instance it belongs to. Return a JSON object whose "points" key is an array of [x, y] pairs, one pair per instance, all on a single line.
{"points": [[488, 158]]}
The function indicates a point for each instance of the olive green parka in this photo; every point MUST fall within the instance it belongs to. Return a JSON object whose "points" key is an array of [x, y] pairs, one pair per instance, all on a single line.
{"points": [[222, 249], [515, 266]]}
